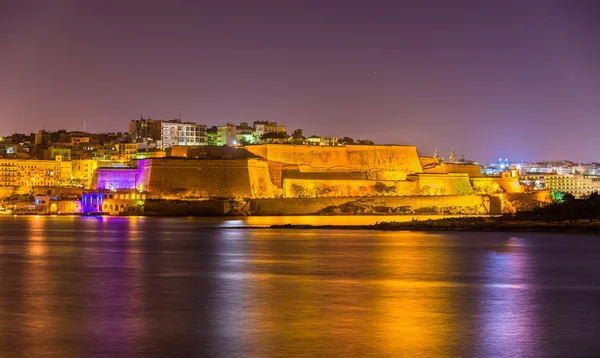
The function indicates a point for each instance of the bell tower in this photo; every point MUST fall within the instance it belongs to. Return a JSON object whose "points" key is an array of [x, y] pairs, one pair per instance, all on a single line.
{"points": [[452, 158]]}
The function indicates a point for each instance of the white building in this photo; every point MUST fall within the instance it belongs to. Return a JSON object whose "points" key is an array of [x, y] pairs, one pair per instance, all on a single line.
{"points": [[227, 134], [175, 132], [264, 127]]}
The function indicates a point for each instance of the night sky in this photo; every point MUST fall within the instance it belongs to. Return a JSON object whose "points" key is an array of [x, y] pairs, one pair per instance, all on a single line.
{"points": [[518, 79]]}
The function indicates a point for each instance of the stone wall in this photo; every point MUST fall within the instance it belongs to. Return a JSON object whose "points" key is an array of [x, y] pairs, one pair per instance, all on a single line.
{"points": [[435, 166], [442, 184], [514, 202], [312, 188], [491, 185], [391, 162], [307, 206], [205, 178], [114, 178], [57, 191]]}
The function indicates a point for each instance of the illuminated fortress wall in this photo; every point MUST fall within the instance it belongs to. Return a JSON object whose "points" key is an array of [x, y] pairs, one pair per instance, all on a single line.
{"points": [[479, 204], [443, 184], [379, 162], [435, 166], [311, 188], [232, 178], [114, 178], [268, 171]]}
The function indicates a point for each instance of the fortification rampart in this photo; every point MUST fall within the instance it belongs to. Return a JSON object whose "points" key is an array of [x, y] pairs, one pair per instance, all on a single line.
{"points": [[443, 184], [234, 178], [491, 185], [435, 166], [467, 204], [378, 162], [311, 188], [114, 178]]}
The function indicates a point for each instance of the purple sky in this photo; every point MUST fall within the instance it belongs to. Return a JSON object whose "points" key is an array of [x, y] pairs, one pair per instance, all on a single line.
{"points": [[511, 78]]}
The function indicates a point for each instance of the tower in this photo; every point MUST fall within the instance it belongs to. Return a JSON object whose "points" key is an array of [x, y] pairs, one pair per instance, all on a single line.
{"points": [[452, 158], [436, 155]]}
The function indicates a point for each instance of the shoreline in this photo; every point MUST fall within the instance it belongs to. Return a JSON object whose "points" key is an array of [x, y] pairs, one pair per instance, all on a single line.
{"points": [[457, 224], [589, 226]]}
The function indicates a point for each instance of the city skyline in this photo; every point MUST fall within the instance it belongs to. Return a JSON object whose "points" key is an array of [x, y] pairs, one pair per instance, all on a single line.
{"points": [[131, 137], [491, 80]]}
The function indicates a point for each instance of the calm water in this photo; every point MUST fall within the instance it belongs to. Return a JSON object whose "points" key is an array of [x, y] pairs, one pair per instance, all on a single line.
{"points": [[154, 287]]}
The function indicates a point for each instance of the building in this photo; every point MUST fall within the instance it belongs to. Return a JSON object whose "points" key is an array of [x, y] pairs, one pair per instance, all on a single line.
{"points": [[83, 172], [316, 140], [79, 140], [212, 136], [578, 185], [142, 128], [227, 134], [175, 132], [10, 174], [42, 138], [53, 152], [263, 127], [31, 173], [127, 151], [45, 204], [245, 134], [113, 202]]}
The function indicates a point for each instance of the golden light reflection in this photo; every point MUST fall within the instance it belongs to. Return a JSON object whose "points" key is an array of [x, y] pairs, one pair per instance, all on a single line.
{"points": [[367, 298], [37, 288], [414, 313], [134, 228]]}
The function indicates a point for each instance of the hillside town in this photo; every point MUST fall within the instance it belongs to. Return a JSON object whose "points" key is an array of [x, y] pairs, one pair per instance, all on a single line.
{"points": [[64, 172]]}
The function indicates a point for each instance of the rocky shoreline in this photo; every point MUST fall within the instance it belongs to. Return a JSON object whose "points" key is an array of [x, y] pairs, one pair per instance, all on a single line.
{"points": [[502, 224]]}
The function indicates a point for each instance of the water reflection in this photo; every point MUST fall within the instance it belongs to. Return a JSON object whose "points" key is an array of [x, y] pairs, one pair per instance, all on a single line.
{"points": [[375, 301], [113, 304], [508, 306], [139, 287], [39, 291], [231, 305]]}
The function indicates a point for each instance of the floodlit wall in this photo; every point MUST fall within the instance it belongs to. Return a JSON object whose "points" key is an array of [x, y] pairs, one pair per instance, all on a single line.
{"points": [[492, 185], [477, 203], [435, 166], [57, 191], [378, 162], [443, 184], [83, 171], [268, 171], [235, 178], [473, 170], [311, 188], [114, 179]]}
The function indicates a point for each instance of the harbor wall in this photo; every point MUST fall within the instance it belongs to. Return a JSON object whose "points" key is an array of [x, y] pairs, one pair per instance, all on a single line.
{"points": [[472, 204]]}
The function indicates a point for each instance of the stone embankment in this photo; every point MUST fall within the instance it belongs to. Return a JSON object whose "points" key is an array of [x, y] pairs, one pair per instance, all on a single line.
{"points": [[368, 208], [502, 224]]}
